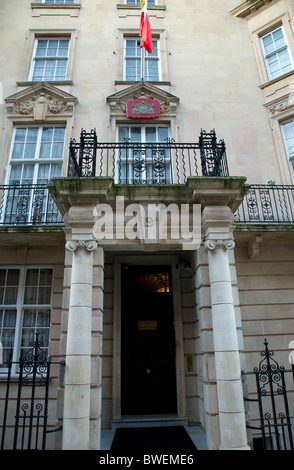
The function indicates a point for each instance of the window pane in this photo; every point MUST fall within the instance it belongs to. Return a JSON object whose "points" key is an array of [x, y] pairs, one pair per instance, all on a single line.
{"points": [[132, 48], [9, 279], [43, 318], [63, 48], [29, 152], [38, 286], [162, 134], [25, 143], [136, 134], [59, 1], [29, 318], [47, 172], [123, 133], [44, 295], [150, 134], [52, 143], [46, 277], [9, 319], [52, 48], [59, 134], [278, 38], [137, 2], [38, 70], [12, 277], [11, 287], [55, 170], [41, 48], [288, 130], [33, 320], [27, 173], [43, 174]]}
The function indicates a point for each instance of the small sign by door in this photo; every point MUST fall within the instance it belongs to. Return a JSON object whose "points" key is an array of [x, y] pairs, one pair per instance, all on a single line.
{"points": [[147, 325]]}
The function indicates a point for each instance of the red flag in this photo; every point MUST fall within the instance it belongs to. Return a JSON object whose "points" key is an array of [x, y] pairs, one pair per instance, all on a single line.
{"points": [[145, 28]]}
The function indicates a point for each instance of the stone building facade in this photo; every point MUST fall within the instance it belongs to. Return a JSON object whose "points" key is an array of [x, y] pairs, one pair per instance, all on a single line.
{"points": [[96, 292]]}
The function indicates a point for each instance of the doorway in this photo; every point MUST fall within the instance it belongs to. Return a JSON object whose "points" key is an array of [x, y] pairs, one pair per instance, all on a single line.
{"points": [[148, 369]]}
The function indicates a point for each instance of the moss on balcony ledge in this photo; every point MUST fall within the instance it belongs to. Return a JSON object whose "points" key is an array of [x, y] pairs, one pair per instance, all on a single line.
{"points": [[68, 192]]}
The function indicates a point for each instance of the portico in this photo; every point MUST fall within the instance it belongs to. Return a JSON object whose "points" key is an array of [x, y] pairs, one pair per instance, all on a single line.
{"points": [[86, 301]]}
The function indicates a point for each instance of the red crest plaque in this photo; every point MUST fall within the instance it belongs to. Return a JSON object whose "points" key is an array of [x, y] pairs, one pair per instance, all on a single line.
{"points": [[143, 109]]}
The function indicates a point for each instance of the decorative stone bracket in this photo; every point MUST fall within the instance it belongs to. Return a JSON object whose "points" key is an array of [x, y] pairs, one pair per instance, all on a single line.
{"points": [[253, 246]]}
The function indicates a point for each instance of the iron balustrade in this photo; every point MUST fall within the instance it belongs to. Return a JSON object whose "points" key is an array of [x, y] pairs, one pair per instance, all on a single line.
{"points": [[273, 405], [27, 204], [267, 204], [130, 162], [25, 406]]}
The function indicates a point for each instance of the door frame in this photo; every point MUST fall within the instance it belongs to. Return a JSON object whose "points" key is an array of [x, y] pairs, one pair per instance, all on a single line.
{"points": [[151, 260]]}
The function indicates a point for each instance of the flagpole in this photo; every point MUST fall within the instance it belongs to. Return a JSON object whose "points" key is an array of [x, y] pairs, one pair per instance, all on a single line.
{"points": [[142, 63]]}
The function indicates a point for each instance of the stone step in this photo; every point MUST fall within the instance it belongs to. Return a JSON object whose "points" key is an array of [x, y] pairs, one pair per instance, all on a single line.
{"points": [[148, 421]]}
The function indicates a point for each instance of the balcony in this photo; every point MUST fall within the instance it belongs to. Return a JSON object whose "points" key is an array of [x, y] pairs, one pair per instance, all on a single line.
{"points": [[133, 163], [27, 205], [130, 162], [267, 205]]}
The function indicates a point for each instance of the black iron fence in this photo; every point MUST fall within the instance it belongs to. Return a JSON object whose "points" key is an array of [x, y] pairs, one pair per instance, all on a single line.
{"points": [[273, 404], [267, 204], [27, 204], [24, 407], [147, 163]]}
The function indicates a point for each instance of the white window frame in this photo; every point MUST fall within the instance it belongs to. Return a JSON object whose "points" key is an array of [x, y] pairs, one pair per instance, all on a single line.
{"points": [[289, 153], [120, 158], [137, 2], [148, 57], [59, 2], [276, 51], [10, 200], [36, 58], [36, 160], [20, 307]]}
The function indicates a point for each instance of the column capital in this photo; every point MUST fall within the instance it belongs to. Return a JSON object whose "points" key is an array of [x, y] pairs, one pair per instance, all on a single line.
{"points": [[72, 245], [211, 244]]}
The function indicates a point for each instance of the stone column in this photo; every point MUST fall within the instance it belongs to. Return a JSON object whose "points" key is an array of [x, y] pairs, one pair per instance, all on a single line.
{"points": [[76, 419], [218, 227]]}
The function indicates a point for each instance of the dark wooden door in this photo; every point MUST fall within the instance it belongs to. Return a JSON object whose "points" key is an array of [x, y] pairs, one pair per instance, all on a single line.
{"points": [[148, 342]]}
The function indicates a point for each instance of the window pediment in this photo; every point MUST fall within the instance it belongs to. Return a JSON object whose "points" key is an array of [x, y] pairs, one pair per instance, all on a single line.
{"points": [[278, 106], [118, 101], [40, 102]]}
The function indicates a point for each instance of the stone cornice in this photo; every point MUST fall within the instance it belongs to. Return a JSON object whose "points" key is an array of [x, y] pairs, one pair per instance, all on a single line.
{"points": [[249, 7]]}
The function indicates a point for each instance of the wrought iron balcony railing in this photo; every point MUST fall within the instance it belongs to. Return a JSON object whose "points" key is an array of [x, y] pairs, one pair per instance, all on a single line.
{"points": [[33, 205], [130, 162], [27, 204], [267, 204]]}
